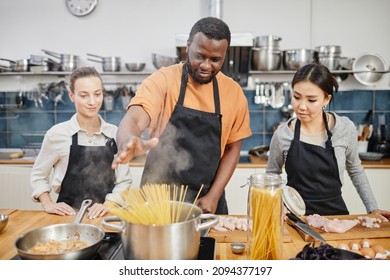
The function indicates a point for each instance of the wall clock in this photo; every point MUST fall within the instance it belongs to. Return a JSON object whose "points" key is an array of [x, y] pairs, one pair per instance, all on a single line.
{"points": [[81, 7]]}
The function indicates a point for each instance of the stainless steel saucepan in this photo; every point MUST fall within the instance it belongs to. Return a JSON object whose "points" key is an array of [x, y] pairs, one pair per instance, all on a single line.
{"points": [[110, 63], [20, 65], [69, 62], [91, 234], [176, 241]]}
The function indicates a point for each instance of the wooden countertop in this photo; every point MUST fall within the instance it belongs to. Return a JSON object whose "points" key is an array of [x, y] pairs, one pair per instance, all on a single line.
{"points": [[21, 222], [384, 163]]}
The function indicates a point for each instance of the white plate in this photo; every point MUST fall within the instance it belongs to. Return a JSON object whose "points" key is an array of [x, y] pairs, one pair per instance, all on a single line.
{"points": [[370, 156]]}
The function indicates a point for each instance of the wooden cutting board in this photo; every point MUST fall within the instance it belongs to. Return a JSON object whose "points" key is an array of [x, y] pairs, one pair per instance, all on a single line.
{"points": [[357, 232], [240, 236]]}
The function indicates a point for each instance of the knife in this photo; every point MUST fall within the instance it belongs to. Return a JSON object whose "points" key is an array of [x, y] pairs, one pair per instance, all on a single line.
{"points": [[304, 227]]}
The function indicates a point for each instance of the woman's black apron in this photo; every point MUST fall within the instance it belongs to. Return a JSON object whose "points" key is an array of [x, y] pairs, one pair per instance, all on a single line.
{"points": [[189, 149], [313, 171], [89, 174]]}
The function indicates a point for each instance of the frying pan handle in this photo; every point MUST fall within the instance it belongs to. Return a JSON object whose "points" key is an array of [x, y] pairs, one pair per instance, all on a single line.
{"points": [[107, 223], [80, 214], [214, 219]]}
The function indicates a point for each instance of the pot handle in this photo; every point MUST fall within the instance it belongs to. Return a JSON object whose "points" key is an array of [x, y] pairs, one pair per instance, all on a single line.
{"points": [[107, 223], [94, 55], [94, 60], [9, 60], [80, 214], [214, 221], [57, 55]]}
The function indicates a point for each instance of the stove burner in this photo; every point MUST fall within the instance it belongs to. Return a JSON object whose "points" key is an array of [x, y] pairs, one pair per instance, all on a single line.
{"points": [[206, 250], [111, 248]]}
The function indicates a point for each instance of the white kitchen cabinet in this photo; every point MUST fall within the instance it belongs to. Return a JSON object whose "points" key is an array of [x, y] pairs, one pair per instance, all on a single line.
{"points": [[379, 180], [15, 190]]}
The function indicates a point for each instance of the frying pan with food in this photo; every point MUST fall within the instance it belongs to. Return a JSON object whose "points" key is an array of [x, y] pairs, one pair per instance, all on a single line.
{"points": [[90, 234]]}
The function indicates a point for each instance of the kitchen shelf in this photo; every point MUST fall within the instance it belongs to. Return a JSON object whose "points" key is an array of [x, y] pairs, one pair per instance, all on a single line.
{"points": [[332, 71], [61, 73], [143, 73]]}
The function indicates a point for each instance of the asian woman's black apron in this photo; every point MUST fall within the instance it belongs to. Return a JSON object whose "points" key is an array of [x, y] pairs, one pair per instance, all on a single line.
{"points": [[313, 171], [189, 149], [89, 174]]}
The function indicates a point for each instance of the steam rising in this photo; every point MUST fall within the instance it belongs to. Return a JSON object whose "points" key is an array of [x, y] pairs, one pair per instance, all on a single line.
{"points": [[174, 159], [93, 173]]}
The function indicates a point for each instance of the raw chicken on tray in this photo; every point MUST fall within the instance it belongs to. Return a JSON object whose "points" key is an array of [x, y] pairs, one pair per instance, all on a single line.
{"points": [[328, 225]]}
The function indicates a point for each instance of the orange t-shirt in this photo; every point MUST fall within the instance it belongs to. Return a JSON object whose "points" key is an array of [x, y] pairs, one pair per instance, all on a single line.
{"points": [[159, 93]]}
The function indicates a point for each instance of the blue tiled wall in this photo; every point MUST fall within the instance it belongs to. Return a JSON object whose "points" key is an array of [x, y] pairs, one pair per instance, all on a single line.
{"points": [[25, 126], [353, 104]]}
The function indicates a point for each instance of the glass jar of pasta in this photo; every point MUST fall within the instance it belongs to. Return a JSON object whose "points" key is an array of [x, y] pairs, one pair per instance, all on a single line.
{"points": [[265, 217]]}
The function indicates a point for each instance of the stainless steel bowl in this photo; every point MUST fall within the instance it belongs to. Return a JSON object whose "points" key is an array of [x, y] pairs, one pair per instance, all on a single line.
{"points": [[3, 221], [296, 58], [135, 66], [331, 62], [266, 59], [237, 247], [162, 60]]}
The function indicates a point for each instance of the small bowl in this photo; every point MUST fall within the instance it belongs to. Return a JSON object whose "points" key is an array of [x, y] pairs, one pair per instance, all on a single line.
{"points": [[237, 247], [135, 66], [3, 221]]}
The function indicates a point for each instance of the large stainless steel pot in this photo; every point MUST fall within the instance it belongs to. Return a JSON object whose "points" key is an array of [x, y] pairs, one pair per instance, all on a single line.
{"points": [[177, 241], [296, 58], [69, 62], [268, 41], [266, 59], [328, 50], [329, 56], [110, 63], [91, 234]]}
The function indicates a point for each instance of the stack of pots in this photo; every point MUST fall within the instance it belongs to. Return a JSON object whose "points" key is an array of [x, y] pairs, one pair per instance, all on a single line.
{"points": [[266, 54], [329, 56]]}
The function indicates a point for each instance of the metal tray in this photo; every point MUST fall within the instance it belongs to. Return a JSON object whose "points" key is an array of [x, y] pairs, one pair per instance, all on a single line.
{"points": [[370, 156]]}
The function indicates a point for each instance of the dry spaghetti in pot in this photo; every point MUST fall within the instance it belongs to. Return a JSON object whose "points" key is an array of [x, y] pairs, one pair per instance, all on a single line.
{"points": [[152, 204]]}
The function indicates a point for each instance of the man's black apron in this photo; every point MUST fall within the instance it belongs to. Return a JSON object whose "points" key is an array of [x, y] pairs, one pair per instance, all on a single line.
{"points": [[313, 171], [89, 174], [189, 149]]}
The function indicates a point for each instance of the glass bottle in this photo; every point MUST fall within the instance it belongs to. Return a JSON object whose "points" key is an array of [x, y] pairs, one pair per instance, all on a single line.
{"points": [[265, 217]]}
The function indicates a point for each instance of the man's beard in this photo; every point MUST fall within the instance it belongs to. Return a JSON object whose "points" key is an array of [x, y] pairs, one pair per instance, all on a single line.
{"points": [[195, 78]]}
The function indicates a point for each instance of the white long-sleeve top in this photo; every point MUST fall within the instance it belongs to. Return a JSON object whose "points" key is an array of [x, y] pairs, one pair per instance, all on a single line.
{"points": [[52, 161]]}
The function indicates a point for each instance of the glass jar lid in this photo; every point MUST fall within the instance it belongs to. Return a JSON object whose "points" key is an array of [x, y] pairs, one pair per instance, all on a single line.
{"points": [[293, 201]]}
